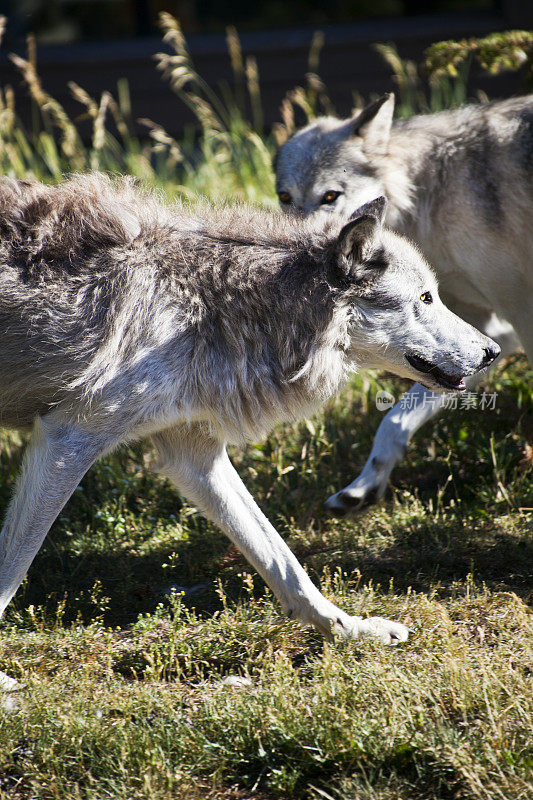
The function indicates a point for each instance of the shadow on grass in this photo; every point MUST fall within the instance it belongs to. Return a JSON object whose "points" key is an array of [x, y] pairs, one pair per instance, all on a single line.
{"points": [[426, 556], [127, 557], [435, 558]]}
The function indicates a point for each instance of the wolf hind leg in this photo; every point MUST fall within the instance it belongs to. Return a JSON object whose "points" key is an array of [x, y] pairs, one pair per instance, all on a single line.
{"points": [[201, 469], [398, 427], [56, 458]]}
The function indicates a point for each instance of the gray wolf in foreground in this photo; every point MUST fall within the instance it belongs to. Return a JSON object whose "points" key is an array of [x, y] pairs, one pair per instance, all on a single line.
{"points": [[460, 183], [122, 319]]}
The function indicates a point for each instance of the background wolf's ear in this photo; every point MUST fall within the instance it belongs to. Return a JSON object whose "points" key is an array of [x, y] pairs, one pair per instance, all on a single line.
{"points": [[374, 122]]}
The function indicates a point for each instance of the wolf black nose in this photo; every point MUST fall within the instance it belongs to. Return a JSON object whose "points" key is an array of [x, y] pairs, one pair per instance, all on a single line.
{"points": [[491, 353]]}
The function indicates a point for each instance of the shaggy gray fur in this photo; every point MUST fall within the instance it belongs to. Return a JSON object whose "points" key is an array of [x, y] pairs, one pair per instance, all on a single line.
{"points": [[460, 183], [101, 286], [122, 318]]}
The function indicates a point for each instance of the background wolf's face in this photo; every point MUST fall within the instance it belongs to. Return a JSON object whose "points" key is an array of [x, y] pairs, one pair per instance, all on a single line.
{"points": [[398, 321], [334, 166], [323, 169]]}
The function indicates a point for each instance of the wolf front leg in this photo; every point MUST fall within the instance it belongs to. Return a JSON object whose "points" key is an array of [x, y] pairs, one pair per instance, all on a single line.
{"points": [[201, 469], [57, 457]]}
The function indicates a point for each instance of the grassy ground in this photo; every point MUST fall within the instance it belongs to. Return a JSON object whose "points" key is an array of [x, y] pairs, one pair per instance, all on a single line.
{"points": [[136, 611]]}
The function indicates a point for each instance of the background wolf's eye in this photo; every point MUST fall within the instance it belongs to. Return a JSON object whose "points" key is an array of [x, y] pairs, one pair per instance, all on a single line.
{"points": [[329, 197], [284, 197], [426, 297]]}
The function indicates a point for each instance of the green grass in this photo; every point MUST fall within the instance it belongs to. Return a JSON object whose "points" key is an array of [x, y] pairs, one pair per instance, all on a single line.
{"points": [[123, 676], [137, 608]]}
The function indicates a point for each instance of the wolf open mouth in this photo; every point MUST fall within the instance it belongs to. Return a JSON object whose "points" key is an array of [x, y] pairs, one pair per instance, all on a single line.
{"points": [[440, 377]]}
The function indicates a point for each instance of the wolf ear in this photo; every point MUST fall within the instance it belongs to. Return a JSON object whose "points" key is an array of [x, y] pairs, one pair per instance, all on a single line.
{"points": [[374, 208], [373, 124], [357, 238]]}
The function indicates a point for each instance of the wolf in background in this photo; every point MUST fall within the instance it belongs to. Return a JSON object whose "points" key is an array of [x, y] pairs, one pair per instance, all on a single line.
{"points": [[122, 319], [460, 184]]}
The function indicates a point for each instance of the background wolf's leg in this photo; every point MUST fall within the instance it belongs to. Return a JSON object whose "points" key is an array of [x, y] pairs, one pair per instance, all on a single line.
{"points": [[397, 428], [524, 328], [201, 469], [389, 447], [57, 457]]}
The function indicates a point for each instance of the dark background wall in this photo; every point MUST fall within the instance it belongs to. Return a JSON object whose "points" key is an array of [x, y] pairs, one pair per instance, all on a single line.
{"points": [[97, 42], [60, 21]]}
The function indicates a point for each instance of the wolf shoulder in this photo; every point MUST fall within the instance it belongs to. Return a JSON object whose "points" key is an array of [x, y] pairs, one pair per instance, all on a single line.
{"points": [[504, 124]]}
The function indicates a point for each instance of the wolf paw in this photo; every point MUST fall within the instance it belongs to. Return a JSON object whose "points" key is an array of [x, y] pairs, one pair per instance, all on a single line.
{"points": [[385, 630], [354, 498]]}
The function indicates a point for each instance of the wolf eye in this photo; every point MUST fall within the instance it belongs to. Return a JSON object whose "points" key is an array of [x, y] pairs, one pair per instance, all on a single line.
{"points": [[285, 198], [329, 197], [426, 297]]}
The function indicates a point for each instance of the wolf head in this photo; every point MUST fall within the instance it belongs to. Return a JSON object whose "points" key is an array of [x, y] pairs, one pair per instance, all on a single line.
{"points": [[397, 319], [334, 166]]}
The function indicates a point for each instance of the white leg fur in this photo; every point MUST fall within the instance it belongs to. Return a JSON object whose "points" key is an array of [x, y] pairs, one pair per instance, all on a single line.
{"points": [[57, 457], [389, 447], [395, 432], [201, 469]]}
